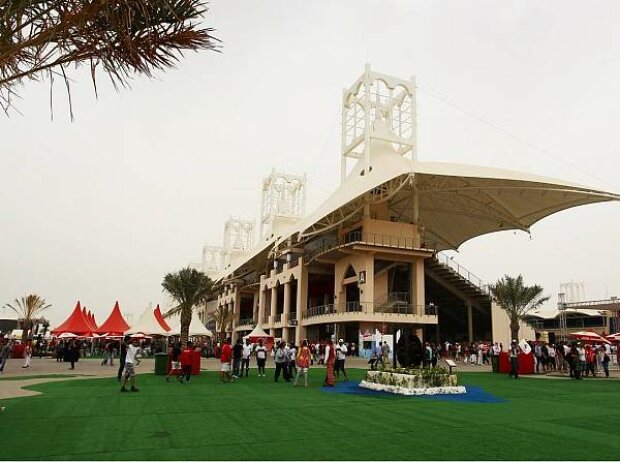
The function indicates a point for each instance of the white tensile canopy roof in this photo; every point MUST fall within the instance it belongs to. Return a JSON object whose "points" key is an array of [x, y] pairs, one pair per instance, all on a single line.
{"points": [[147, 324], [196, 327], [456, 202]]}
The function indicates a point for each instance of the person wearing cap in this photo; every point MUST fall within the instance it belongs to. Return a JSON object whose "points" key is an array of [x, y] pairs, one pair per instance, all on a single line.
{"points": [[513, 353], [341, 352], [261, 357], [245, 357]]}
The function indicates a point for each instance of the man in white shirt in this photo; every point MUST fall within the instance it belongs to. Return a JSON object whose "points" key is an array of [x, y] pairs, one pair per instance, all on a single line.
{"points": [[245, 357], [132, 358], [341, 352]]}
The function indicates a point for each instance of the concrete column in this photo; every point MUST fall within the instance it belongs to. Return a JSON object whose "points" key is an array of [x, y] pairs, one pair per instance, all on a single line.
{"points": [[470, 323], [287, 310], [262, 303], [302, 302], [255, 305], [274, 306], [418, 297]]}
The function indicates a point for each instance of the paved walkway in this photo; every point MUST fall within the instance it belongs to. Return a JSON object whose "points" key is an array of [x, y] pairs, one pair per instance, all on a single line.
{"points": [[91, 368]]}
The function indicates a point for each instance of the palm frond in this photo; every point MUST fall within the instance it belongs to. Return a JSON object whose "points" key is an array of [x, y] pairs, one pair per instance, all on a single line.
{"points": [[41, 39]]}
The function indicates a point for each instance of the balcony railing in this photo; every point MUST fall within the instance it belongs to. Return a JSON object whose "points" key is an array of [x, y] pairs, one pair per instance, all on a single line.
{"points": [[277, 318], [246, 321], [370, 308], [362, 237]]}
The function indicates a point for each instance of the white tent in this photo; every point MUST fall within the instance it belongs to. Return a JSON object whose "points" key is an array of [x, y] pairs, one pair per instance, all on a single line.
{"points": [[257, 332], [196, 327], [147, 324]]}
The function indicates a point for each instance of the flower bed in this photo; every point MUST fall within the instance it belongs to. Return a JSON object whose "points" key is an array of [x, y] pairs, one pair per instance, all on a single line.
{"points": [[413, 382]]}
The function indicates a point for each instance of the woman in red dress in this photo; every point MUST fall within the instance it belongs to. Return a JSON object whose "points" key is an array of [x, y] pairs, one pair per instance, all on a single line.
{"points": [[303, 362], [330, 361]]}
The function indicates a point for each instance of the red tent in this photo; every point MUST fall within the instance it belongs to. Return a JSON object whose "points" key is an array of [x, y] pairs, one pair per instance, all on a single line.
{"points": [[160, 319], [89, 319], [76, 323], [115, 324], [92, 320]]}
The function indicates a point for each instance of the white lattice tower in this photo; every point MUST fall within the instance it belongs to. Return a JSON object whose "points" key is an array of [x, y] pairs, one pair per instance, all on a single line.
{"points": [[212, 260], [238, 234], [377, 106], [283, 200]]}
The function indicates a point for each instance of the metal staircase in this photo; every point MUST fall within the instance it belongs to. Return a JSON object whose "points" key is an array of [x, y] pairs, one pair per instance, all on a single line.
{"points": [[459, 277]]}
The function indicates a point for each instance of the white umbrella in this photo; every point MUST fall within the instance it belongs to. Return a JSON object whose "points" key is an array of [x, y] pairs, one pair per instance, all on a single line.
{"points": [[68, 335], [589, 337], [613, 337]]}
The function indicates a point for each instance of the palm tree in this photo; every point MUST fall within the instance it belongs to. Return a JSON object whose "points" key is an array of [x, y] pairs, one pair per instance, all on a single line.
{"points": [[222, 316], [45, 39], [28, 308], [517, 299], [189, 288]]}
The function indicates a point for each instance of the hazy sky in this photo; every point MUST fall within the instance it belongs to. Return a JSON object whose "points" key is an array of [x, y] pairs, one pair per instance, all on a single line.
{"points": [[101, 208]]}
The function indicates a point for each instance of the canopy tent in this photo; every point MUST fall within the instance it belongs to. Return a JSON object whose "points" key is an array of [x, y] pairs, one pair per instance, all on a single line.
{"points": [[613, 337], [196, 327], [148, 324], [160, 319], [89, 319], [115, 325], [259, 334], [76, 323]]}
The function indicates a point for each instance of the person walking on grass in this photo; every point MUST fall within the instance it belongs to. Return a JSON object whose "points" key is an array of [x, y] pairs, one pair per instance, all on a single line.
{"points": [[186, 362], [225, 357], [131, 359], [175, 363], [303, 359], [280, 360], [122, 355], [341, 354], [245, 357], [330, 361], [237, 354], [261, 358]]}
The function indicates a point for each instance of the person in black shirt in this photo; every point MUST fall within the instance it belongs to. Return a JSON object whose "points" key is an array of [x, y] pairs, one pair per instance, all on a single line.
{"points": [[237, 354], [123, 355]]}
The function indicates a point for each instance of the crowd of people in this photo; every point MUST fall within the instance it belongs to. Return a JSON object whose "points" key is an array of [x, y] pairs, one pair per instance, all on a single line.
{"points": [[293, 362]]}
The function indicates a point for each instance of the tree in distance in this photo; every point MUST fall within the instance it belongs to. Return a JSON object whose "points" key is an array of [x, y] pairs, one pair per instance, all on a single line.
{"points": [[517, 299], [28, 309], [189, 288]]}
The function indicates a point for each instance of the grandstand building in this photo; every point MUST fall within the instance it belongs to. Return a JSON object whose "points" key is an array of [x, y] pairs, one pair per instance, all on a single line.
{"points": [[369, 258]]}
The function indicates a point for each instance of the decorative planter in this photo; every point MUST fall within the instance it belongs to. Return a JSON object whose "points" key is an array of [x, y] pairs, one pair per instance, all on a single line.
{"points": [[422, 383]]}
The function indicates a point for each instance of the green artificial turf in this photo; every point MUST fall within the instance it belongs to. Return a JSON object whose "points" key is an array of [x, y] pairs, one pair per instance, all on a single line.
{"points": [[262, 420]]}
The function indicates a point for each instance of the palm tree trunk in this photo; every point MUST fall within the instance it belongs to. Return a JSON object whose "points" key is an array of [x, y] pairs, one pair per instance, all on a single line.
{"points": [[514, 329], [25, 329], [186, 319]]}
